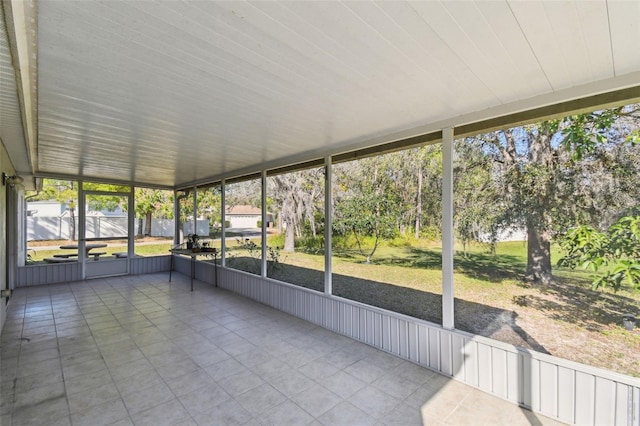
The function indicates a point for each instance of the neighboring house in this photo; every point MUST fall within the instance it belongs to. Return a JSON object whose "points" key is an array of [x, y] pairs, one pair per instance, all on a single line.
{"points": [[244, 216]]}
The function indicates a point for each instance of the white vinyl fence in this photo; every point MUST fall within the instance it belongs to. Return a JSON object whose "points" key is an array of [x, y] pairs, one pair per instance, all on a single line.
{"points": [[57, 228]]}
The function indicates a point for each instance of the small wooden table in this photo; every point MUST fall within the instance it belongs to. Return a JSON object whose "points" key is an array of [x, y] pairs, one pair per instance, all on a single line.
{"points": [[193, 255]]}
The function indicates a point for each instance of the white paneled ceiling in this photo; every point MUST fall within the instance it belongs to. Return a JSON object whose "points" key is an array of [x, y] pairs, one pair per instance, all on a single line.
{"points": [[170, 93], [11, 131]]}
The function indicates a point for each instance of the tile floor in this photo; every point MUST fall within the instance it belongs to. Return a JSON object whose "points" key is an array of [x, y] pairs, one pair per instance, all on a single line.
{"points": [[139, 350]]}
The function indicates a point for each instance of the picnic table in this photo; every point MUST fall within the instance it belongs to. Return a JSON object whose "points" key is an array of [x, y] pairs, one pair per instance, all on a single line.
{"points": [[87, 247]]}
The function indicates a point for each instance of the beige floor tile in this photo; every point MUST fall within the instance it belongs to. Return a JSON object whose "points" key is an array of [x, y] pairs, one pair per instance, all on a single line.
{"points": [[82, 368], [260, 399], [92, 397], [292, 383], [398, 387], [38, 395], [30, 357], [366, 371], [144, 399], [412, 372], [346, 414], [342, 384], [102, 414], [317, 369], [223, 369], [25, 384], [190, 382], [374, 402], [404, 415], [171, 371], [240, 383], [228, 413], [87, 381], [139, 381], [316, 400], [204, 399], [127, 370], [50, 410], [287, 413], [168, 413], [209, 357], [39, 368]]}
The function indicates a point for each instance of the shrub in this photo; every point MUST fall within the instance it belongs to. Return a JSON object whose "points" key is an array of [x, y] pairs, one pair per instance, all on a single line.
{"points": [[276, 240], [311, 244]]}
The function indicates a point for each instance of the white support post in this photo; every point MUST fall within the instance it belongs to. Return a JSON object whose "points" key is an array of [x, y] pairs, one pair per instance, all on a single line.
{"points": [[82, 228], [195, 210], [223, 228], [263, 206], [131, 225], [448, 316], [328, 224], [176, 220]]}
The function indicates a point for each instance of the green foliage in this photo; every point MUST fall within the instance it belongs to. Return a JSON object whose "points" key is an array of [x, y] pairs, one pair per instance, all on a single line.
{"points": [[310, 244], [584, 132], [401, 241], [613, 256], [153, 203], [431, 233], [276, 240], [371, 207], [254, 252]]}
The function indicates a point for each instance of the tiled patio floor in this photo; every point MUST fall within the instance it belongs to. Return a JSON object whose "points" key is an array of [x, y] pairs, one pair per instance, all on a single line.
{"points": [[138, 350]]}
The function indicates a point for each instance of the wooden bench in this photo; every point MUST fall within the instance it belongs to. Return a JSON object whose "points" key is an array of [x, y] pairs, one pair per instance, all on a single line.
{"points": [[59, 260], [66, 256], [96, 255]]}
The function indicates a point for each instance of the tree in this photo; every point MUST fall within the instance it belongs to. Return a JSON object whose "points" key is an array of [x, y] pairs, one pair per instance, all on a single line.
{"points": [[368, 206], [477, 203], [149, 203], [64, 192], [557, 173], [296, 198]]}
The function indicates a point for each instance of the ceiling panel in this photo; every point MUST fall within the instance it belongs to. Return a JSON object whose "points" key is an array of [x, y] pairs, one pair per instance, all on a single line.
{"points": [[11, 130], [171, 93], [624, 25]]}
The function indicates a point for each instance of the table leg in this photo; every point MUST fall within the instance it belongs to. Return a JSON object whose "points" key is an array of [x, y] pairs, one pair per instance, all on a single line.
{"points": [[193, 270], [171, 267]]}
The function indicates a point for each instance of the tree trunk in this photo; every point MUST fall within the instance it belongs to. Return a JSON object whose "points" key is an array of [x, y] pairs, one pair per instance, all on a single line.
{"points": [[419, 203], [147, 225], [140, 227], [289, 238], [538, 256], [72, 225]]}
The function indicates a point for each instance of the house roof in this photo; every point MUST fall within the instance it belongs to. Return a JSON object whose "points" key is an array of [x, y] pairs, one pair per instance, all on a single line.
{"points": [[244, 210], [178, 93]]}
